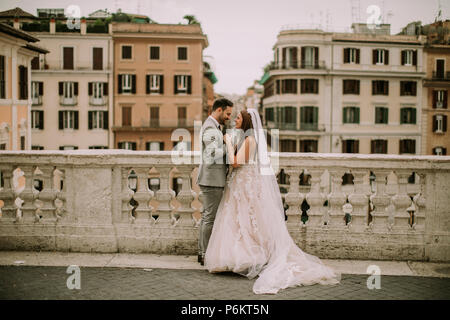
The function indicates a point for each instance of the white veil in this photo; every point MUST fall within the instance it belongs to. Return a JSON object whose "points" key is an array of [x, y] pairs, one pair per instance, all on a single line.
{"points": [[288, 265]]}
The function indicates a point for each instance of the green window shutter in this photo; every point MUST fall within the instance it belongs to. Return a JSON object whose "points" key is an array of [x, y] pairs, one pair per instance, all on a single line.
{"points": [[385, 115], [316, 116], [402, 115], [344, 115], [413, 110], [357, 115]]}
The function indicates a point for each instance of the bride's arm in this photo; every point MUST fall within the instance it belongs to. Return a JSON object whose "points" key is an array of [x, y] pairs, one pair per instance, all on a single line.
{"points": [[230, 149]]}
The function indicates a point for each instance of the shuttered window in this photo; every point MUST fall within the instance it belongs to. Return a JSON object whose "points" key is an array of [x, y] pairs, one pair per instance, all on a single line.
{"points": [[68, 58]]}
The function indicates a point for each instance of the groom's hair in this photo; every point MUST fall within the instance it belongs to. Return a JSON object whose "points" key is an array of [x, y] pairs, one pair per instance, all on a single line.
{"points": [[221, 103]]}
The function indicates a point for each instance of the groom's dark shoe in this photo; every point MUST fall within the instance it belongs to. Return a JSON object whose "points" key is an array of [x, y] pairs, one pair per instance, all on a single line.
{"points": [[202, 261], [199, 258]]}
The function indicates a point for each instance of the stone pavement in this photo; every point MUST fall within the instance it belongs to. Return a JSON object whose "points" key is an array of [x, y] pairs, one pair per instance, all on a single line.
{"points": [[43, 275]]}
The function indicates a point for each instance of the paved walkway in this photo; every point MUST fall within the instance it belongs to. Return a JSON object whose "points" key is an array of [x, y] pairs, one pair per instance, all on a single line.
{"points": [[43, 275]]}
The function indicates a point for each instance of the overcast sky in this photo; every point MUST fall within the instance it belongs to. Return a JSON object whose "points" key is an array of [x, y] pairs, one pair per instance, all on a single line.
{"points": [[241, 33]]}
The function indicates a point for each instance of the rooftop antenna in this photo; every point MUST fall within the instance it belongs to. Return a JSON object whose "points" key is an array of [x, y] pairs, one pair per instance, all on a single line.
{"points": [[439, 14]]}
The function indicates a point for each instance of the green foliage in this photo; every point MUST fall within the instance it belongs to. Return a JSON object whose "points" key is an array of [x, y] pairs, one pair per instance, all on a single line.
{"points": [[191, 19]]}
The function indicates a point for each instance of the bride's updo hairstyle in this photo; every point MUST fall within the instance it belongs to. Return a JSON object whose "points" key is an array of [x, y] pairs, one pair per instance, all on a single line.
{"points": [[246, 123]]}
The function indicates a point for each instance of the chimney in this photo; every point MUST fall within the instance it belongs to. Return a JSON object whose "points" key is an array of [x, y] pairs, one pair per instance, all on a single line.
{"points": [[52, 25], [83, 26], [16, 23]]}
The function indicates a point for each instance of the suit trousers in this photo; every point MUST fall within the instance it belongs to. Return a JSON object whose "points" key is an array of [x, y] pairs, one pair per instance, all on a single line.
{"points": [[211, 200]]}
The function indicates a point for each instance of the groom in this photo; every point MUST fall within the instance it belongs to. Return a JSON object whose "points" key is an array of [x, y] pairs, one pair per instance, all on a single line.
{"points": [[213, 169]]}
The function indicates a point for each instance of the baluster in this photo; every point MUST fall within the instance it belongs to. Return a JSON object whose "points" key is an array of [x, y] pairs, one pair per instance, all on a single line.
{"points": [[61, 196], [126, 196], [358, 200], [164, 195], [381, 201], [294, 198], [48, 194], [336, 199], [185, 197], [143, 196], [420, 201], [28, 194], [315, 199], [7, 194], [402, 201]]}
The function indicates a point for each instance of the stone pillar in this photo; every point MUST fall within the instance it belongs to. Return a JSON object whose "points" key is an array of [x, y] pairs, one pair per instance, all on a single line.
{"points": [[52, 26], [143, 195], [164, 195], [315, 199], [381, 201], [29, 194], [294, 198], [185, 197], [420, 202], [336, 199], [7, 194], [402, 201], [359, 202], [48, 194]]}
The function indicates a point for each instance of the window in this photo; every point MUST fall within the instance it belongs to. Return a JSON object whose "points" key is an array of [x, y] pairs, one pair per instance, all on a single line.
{"points": [[68, 89], [381, 115], [68, 120], [154, 83], [68, 58], [408, 146], [408, 88], [380, 56], [2, 146], [289, 57], [287, 118], [308, 145], [408, 116], [378, 146], [127, 145], [182, 84], [350, 146], [350, 115], [22, 142], [23, 82], [2, 77], [35, 63], [154, 117], [351, 55], [37, 90], [127, 83], [126, 116], [37, 147], [154, 53], [97, 58], [440, 99], [440, 69], [68, 148], [182, 115], [98, 147], [182, 53], [439, 151], [37, 119], [309, 86], [269, 114], [97, 90], [439, 123], [97, 120], [127, 52], [350, 86], [309, 117], [288, 146], [310, 56], [289, 86], [154, 146], [380, 87], [409, 57]]}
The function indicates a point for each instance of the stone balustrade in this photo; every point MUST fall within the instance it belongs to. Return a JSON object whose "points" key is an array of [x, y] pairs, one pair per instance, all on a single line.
{"points": [[341, 206]]}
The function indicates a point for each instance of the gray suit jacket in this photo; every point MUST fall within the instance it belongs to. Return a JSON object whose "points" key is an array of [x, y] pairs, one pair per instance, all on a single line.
{"points": [[213, 166]]}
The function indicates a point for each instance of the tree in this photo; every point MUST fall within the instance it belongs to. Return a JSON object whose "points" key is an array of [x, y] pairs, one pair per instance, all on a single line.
{"points": [[191, 19]]}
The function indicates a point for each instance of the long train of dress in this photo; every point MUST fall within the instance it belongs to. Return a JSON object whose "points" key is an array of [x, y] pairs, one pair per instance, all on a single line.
{"points": [[250, 238]]}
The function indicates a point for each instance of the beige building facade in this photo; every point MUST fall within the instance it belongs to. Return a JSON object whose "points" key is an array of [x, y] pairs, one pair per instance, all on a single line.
{"points": [[345, 92], [159, 85]]}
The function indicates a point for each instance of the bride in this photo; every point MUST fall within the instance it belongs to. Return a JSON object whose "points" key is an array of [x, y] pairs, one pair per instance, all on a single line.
{"points": [[249, 235]]}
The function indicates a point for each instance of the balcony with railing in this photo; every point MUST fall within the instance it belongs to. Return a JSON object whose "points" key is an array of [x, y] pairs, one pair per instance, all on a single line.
{"points": [[441, 75], [158, 124], [145, 201], [298, 64]]}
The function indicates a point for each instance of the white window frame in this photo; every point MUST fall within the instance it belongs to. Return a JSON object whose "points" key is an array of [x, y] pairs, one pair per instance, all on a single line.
{"points": [[154, 143], [128, 145], [97, 90], [35, 97], [126, 83], [68, 90], [97, 119], [409, 57], [182, 83], [440, 99], [352, 55], [34, 120], [154, 82], [439, 123], [307, 62], [68, 147], [68, 120], [381, 57], [438, 151]]}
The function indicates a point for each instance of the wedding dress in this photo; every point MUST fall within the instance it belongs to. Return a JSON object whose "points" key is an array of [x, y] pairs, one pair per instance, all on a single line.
{"points": [[250, 236]]}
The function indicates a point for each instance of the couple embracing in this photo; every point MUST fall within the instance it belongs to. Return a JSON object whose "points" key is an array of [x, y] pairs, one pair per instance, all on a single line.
{"points": [[243, 228]]}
